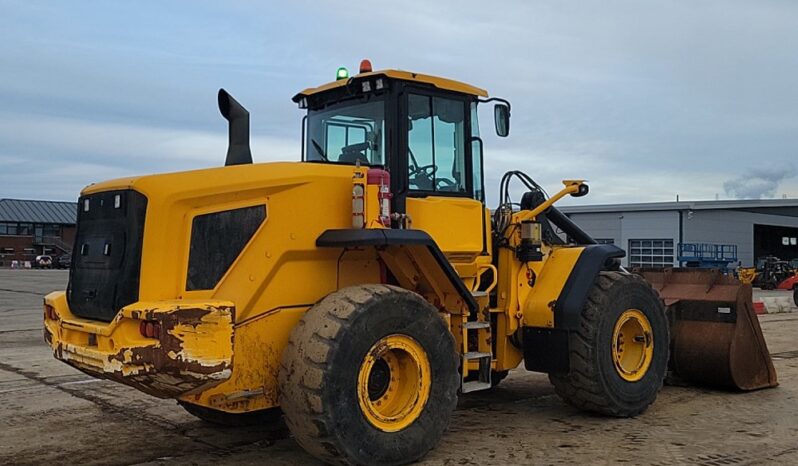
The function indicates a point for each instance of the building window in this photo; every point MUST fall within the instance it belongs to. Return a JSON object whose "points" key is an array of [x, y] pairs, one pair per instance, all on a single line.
{"points": [[48, 229], [657, 253], [8, 228], [605, 241], [5, 251], [25, 229]]}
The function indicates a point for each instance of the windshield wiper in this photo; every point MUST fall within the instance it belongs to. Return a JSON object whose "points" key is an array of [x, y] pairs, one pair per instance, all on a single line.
{"points": [[319, 149]]}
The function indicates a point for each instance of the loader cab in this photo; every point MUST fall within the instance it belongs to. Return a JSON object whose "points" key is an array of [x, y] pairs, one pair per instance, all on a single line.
{"points": [[424, 131]]}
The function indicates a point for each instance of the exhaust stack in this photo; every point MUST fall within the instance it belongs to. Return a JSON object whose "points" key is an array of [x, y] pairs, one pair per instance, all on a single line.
{"points": [[238, 152]]}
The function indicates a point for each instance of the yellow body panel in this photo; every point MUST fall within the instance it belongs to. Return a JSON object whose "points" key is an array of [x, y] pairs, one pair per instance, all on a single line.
{"points": [[278, 275], [552, 276], [454, 223]]}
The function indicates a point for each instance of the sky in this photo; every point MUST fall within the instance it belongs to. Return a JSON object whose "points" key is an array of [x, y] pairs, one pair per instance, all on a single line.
{"points": [[646, 100]]}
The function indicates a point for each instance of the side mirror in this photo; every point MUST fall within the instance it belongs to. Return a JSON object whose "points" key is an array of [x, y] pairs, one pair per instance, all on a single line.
{"points": [[501, 116]]}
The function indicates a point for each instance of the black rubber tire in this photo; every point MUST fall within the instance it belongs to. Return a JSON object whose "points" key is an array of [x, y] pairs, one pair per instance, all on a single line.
{"points": [[222, 418], [319, 371], [795, 295], [593, 384], [497, 376]]}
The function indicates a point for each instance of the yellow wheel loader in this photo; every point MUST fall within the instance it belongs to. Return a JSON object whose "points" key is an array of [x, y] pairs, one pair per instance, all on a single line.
{"points": [[360, 291]]}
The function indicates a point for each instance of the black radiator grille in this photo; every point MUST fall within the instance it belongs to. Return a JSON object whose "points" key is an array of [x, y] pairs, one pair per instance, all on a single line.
{"points": [[106, 260]]}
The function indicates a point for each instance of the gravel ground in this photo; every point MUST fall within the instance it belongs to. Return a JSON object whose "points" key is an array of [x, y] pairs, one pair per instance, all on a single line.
{"points": [[51, 413]]}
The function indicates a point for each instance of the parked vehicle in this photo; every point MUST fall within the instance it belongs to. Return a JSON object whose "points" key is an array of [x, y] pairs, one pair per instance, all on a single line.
{"points": [[64, 261], [770, 271], [790, 283], [43, 262]]}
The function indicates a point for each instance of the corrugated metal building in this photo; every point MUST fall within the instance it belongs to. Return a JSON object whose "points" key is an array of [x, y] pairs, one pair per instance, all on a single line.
{"points": [[651, 232], [30, 228]]}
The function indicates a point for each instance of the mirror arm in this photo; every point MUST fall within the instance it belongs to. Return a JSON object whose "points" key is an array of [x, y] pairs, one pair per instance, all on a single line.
{"points": [[495, 99], [304, 125]]}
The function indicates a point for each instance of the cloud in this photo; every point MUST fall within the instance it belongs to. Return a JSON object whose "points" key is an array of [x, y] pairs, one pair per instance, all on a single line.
{"points": [[57, 157], [758, 183], [645, 100]]}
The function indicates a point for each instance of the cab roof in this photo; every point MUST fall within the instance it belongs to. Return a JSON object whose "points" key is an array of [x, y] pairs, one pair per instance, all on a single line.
{"points": [[441, 83]]}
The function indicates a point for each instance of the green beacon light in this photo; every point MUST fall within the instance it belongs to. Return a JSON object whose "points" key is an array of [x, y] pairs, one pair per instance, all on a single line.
{"points": [[342, 73]]}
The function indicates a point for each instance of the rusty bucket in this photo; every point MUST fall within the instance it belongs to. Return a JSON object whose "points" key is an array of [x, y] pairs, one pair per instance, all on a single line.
{"points": [[716, 339]]}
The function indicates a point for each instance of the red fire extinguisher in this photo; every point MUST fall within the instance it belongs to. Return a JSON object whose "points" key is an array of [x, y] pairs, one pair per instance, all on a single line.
{"points": [[382, 179]]}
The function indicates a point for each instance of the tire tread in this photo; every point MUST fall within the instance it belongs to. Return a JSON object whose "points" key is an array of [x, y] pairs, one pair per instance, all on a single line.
{"points": [[582, 386], [302, 372]]}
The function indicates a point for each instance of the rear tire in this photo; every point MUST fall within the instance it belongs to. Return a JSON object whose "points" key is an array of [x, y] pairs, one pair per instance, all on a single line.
{"points": [[497, 376], [222, 418], [795, 295], [340, 407], [600, 380]]}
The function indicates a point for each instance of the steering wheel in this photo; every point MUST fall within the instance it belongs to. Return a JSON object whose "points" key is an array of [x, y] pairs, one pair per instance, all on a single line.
{"points": [[425, 170], [422, 176]]}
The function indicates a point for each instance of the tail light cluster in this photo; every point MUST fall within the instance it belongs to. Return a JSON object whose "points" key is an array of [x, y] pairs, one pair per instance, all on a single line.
{"points": [[150, 329], [49, 312]]}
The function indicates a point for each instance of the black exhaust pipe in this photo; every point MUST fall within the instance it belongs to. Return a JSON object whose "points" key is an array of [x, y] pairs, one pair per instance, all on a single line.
{"points": [[238, 152]]}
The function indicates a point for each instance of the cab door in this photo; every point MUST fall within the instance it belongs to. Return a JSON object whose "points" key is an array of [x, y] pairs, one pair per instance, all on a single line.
{"points": [[444, 190]]}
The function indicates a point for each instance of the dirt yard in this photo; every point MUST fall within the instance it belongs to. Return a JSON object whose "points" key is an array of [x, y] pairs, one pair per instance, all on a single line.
{"points": [[51, 413]]}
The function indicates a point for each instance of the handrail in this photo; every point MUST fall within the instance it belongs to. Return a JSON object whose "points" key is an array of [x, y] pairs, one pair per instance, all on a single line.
{"points": [[480, 271]]}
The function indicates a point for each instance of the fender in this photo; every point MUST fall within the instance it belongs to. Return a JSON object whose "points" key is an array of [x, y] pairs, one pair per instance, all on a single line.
{"points": [[546, 349], [388, 239], [594, 259]]}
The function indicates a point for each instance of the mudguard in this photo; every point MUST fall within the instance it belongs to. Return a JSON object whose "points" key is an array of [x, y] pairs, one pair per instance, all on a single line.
{"points": [[594, 259], [416, 243]]}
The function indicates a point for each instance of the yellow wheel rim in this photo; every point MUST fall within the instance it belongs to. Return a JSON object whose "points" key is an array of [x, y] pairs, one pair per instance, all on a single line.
{"points": [[632, 345], [393, 383]]}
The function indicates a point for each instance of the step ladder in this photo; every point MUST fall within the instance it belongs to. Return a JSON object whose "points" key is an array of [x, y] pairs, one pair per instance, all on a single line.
{"points": [[477, 348]]}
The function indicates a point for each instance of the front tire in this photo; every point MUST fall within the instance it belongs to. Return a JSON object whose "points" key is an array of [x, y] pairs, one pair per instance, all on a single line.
{"points": [[619, 354], [369, 376]]}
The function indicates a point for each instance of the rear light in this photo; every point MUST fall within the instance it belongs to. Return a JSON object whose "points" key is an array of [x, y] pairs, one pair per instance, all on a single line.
{"points": [[358, 206], [150, 329], [49, 312]]}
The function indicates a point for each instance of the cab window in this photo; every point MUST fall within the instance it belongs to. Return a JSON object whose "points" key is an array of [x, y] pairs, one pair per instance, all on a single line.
{"points": [[348, 133], [436, 144]]}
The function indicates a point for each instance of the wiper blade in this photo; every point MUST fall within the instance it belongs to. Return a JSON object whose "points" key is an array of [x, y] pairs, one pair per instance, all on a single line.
{"points": [[319, 149]]}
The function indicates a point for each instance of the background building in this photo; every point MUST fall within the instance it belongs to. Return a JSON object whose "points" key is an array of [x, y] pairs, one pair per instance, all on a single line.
{"points": [[32, 228], [651, 232]]}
